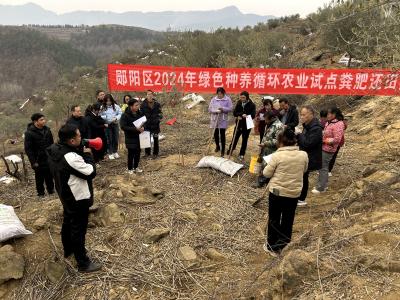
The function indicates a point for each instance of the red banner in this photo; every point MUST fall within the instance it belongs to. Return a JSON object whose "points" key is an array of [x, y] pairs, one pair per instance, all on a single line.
{"points": [[257, 81]]}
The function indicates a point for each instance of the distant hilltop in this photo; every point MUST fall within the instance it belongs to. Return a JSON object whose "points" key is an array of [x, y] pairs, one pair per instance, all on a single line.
{"points": [[228, 17]]}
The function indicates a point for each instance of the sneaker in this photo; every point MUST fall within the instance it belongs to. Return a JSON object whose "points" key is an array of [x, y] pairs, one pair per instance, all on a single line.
{"points": [[155, 156], [111, 157], [241, 157], [301, 203], [131, 172], [317, 191], [91, 267], [116, 155], [330, 174], [137, 170], [271, 253]]}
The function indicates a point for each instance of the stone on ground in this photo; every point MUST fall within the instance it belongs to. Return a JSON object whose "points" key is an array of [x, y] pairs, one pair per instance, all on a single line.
{"points": [[156, 234], [12, 264]]}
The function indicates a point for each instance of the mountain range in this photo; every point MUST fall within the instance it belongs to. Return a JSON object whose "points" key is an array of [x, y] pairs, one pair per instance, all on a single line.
{"points": [[230, 16]]}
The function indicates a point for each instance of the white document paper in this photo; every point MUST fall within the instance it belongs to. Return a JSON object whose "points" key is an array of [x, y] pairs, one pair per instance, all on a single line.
{"points": [[249, 122], [261, 116], [267, 158], [139, 122], [145, 140]]}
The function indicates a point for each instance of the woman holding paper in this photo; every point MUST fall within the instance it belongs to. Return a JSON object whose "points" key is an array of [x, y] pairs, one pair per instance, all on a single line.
{"points": [[219, 108], [244, 112], [285, 170], [132, 142]]}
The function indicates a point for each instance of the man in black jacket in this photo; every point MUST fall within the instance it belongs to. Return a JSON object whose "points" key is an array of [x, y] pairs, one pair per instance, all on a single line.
{"points": [[73, 172], [37, 138], [78, 120], [96, 125], [289, 114], [152, 110], [245, 107], [310, 141]]}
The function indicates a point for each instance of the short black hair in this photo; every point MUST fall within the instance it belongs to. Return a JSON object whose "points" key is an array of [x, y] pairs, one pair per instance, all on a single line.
{"points": [[132, 101], [221, 90], [36, 116], [309, 108], [285, 100], [287, 137], [74, 106], [246, 94], [323, 113], [67, 132], [267, 101], [98, 92]]}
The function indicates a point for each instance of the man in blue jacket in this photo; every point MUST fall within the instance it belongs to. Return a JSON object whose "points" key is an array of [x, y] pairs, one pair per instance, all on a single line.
{"points": [[73, 171]]}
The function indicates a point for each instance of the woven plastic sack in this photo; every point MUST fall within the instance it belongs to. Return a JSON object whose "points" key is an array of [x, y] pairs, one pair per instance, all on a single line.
{"points": [[10, 225], [221, 164]]}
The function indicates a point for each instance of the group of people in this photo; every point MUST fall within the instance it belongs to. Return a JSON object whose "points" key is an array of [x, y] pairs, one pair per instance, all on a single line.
{"points": [[69, 168], [294, 153]]}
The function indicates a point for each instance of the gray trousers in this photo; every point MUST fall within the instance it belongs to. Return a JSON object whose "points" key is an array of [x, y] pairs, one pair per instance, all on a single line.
{"points": [[322, 183]]}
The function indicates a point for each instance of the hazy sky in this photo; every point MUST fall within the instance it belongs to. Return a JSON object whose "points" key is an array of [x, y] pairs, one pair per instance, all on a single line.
{"points": [[261, 7]]}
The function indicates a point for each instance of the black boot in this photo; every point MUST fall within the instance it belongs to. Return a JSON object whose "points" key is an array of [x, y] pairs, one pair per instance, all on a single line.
{"points": [[90, 267]]}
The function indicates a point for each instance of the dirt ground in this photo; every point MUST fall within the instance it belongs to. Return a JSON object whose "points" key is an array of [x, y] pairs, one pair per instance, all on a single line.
{"points": [[345, 242]]}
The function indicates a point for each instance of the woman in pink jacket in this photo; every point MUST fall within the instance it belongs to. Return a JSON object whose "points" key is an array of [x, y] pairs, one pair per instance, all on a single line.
{"points": [[332, 138]]}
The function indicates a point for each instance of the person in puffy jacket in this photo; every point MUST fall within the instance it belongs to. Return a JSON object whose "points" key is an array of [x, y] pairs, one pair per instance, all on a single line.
{"points": [[219, 108], [151, 108], [260, 115], [37, 138], [310, 141], [269, 144], [77, 120], [332, 137], [245, 107], [111, 113], [341, 144], [73, 170], [285, 170], [132, 141], [96, 127]]}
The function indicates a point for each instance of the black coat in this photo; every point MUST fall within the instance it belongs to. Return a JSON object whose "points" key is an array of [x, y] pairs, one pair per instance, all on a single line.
{"points": [[292, 119], [310, 141], [95, 126], [131, 132], [73, 172], [153, 115], [248, 109], [35, 144], [81, 124]]}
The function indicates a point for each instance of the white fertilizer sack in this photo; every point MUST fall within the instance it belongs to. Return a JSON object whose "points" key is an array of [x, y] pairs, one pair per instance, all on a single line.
{"points": [[10, 225], [224, 165]]}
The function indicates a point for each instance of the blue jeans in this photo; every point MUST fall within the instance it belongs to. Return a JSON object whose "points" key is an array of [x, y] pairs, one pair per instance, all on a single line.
{"points": [[112, 135]]}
